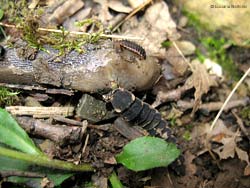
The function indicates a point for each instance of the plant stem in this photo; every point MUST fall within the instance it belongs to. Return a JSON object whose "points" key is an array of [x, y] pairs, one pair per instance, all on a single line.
{"points": [[44, 161]]}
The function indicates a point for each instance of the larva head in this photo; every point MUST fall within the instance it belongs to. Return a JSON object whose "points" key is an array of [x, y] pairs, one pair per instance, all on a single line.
{"points": [[2, 52], [121, 100]]}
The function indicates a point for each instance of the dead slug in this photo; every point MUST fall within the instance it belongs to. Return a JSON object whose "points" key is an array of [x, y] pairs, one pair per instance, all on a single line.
{"points": [[100, 67]]}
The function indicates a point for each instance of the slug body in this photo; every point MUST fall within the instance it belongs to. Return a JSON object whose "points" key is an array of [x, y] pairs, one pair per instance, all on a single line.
{"points": [[100, 67]]}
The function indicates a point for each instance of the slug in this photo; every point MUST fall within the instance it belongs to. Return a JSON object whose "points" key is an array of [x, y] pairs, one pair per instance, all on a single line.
{"points": [[100, 67]]}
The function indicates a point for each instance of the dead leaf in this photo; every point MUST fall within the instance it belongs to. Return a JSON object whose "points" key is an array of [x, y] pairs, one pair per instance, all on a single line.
{"points": [[190, 166], [174, 113], [136, 3], [66, 10], [222, 134], [242, 155], [179, 65], [155, 26], [118, 6], [219, 129], [104, 14], [247, 170], [33, 4], [227, 149], [202, 82]]}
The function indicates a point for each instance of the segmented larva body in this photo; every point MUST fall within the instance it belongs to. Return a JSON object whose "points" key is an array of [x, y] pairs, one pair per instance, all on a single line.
{"points": [[132, 47], [140, 113], [137, 112]]}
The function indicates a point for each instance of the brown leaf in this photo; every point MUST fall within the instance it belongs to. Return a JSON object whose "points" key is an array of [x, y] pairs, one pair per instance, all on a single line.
{"points": [[247, 170], [136, 3], [228, 138], [66, 10], [190, 166], [202, 81], [118, 6], [243, 155], [176, 60], [155, 26], [228, 149], [104, 14]]}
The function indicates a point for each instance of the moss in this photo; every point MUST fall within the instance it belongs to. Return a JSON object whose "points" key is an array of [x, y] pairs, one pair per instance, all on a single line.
{"points": [[216, 49], [187, 136], [214, 45], [245, 115], [166, 44], [28, 22], [7, 96], [194, 21]]}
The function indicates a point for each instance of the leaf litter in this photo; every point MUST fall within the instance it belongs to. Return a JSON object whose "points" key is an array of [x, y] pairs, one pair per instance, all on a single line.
{"points": [[193, 84]]}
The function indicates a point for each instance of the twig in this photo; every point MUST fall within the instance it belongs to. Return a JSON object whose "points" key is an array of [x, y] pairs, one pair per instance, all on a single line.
{"points": [[85, 143], [62, 119], [241, 125], [228, 98], [74, 32], [172, 95], [182, 55], [67, 120], [58, 133], [132, 13], [40, 112], [212, 106], [37, 87]]}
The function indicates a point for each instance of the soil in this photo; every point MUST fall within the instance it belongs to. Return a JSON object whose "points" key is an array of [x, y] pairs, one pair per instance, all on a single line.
{"points": [[204, 168]]}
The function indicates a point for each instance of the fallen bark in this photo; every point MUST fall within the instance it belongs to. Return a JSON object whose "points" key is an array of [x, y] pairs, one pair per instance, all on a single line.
{"points": [[40, 111], [212, 106], [58, 133]]}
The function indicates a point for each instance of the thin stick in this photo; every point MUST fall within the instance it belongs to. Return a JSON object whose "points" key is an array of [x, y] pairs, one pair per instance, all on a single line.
{"points": [[75, 32], [182, 55], [132, 13], [85, 143], [228, 98]]}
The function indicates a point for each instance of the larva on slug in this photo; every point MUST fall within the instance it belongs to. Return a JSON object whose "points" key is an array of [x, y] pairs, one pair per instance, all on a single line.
{"points": [[126, 45]]}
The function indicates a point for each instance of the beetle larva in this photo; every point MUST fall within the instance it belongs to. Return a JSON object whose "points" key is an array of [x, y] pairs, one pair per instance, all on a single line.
{"points": [[132, 47], [137, 112], [140, 113]]}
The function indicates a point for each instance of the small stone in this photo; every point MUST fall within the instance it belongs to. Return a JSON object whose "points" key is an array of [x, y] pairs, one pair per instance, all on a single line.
{"points": [[183, 21], [186, 47], [93, 110], [213, 67]]}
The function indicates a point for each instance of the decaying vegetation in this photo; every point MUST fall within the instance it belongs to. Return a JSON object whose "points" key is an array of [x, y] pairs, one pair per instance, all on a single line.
{"points": [[61, 124]]}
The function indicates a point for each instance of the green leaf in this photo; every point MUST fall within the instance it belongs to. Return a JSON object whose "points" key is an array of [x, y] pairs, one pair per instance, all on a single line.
{"points": [[43, 160], [1, 14], [33, 160], [57, 171], [13, 165], [147, 152], [14, 136], [115, 182]]}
